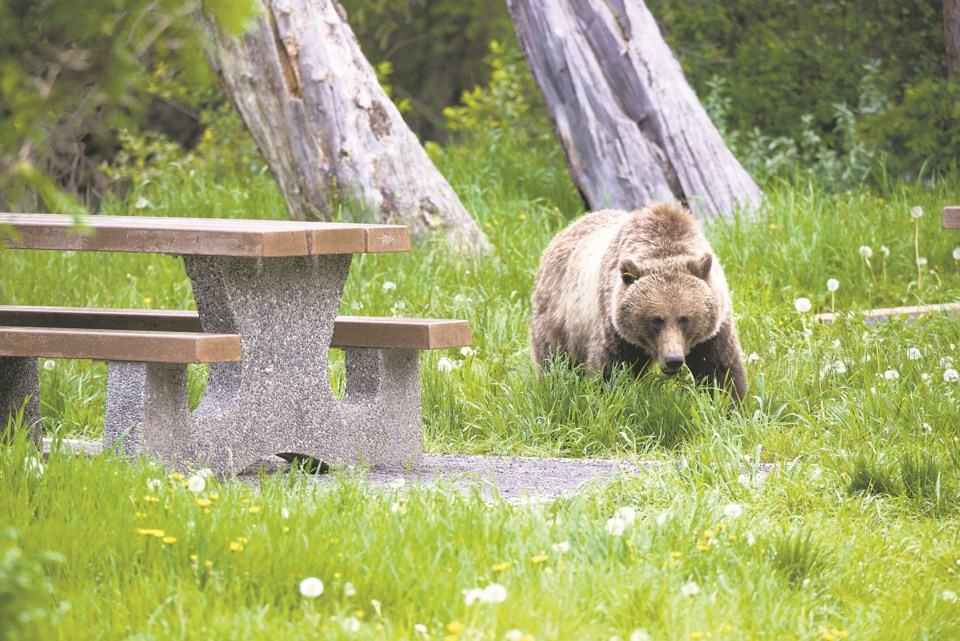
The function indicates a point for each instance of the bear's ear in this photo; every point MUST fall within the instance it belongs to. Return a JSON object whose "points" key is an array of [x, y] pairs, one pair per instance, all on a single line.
{"points": [[701, 266], [628, 272]]}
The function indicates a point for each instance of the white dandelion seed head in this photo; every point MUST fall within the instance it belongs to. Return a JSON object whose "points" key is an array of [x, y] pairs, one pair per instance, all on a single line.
{"points": [[732, 510], [473, 596], [467, 352], [751, 539], [913, 354], [615, 526], [561, 548], [284, 513], [154, 485], [924, 377], [513, 635], [397, 483], [865, 251], [956, 253], [398, 507], [627, 514], [640, 635], [447, 365], [891, 374], [351, 625], [494, 593], [311, 587], [690, 589], [142, 203], [951, 376], [833, 284], [884, 250], [949, 596], [916, 212], [753, 357], [922, 261], [803, 305], [839, 367], [389, 286], [349, 589], [663, 517], [925, 428], [49, 365], [420, 630], [196, 483]]}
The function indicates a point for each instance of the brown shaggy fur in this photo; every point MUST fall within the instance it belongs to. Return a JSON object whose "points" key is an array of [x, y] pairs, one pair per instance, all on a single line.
{"points": [[619, 287]]}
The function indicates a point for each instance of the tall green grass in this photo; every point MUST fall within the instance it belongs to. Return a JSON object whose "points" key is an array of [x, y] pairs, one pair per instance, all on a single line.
{"points": [[853, 533]]}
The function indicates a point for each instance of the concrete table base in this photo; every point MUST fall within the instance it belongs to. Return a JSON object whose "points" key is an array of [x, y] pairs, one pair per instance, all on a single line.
{"points": [[278, 398]]}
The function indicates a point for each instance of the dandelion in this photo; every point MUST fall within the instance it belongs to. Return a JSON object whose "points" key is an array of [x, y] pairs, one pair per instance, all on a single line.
{"points": [[839, 368], [389, 286], [502, 567], [949, 596], [561, 548], [398, 507], [494, 593], [924, 377], [946, 361], [311, 587], [922, 261], [538, 559], [49, 365], [513, 635], [956, 253], [753, 358], [142, 203], [351, 625], [866, 252], [951, 376], [884, 251], [195, 484], [455, 627], [833, 285], [733, 510], [236, 546], [421, 630], [913, 354], [925, 428], [473, 596], [254, 509], [916, 212], [615, 526], [447, 365], [169, 540], [467, 352], [397, 483], [662, 518], [690, 589], [284, 513], [154, 485], [349, 590], [640, 635], [628, 514], [891, 374], [204, 502], [802, 305]]}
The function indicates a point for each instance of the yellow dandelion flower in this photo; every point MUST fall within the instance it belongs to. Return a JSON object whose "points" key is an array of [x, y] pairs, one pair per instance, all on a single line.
{"points": [[204, 502], [527, 637], [254, 509], [169, 540], [147, 300], [359, 614], [720, 527], [284, 529], [176, 476], [168, 507], [214, 496], [676, 555], [194, 558], [726, 627], [523, 216], [139, 515], [696, 635], [245, 501], [708, 535], [455, 627], [773, 226], [159, 534], [236, 546], [244, 540], [336, 575], [500, 567], [207, 135], [539, 558], [208, 563], [488, 226], [703, 547], [548, 570], [732, 537]]}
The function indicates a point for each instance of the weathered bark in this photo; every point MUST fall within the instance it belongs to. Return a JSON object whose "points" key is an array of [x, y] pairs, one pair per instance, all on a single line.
{"points": [[325, 126], [951, 33], [632, 128]]}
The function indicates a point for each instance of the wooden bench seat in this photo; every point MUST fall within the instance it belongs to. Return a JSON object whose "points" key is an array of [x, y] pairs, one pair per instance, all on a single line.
{"points": [[348, 331]]}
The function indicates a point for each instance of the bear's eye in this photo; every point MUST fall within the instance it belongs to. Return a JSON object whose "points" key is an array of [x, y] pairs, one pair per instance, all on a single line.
{"points": [[683, 321], [628, 277], [657, 322]]}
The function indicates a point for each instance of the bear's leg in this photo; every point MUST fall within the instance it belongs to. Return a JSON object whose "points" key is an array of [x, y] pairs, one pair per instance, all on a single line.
{"points": [[719, 359]]}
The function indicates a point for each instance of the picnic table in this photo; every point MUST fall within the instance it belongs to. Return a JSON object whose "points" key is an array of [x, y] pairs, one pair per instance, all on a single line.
{"points": [[267, 295]]}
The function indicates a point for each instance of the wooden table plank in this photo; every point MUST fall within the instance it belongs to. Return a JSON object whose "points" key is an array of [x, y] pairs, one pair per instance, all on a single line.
{"points": [[202, 236], [399, 333], [119, 345], [951, 218]]}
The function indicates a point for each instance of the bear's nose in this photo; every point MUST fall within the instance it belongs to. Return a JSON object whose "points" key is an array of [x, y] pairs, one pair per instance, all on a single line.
{"points": [[673, 364]]}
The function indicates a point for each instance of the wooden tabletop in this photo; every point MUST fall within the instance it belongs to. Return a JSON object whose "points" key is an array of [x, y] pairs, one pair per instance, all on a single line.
{"points": [[951, 218], [201, 236]]}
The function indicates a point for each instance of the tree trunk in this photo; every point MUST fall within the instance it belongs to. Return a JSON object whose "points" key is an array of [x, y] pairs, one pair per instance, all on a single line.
{"points": [[632, 128], [325, 126], [951, 33]]}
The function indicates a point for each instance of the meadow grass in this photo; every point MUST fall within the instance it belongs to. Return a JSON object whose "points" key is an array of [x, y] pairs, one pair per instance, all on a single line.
{"points": [[854, 532]]}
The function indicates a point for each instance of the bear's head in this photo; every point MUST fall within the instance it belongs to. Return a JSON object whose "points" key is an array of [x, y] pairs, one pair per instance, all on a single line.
{"points": [[666, 307]]}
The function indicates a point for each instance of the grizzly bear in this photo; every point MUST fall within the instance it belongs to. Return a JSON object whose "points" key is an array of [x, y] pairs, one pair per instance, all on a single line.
{"points": [[634, 287]]}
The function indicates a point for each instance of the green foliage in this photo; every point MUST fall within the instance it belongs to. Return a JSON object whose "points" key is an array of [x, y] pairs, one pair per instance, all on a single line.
{"points": [[25, 588], [71, 77], [788, 65]]}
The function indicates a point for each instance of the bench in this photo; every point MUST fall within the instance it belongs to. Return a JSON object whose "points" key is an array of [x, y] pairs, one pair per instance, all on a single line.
{"points": [[381, 359]]}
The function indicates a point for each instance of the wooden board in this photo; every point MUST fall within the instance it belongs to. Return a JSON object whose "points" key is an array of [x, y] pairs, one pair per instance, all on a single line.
{"points": [[348, 331], [119, 345], [201, 236], [873, 316], [951, 218], [399, 333]]}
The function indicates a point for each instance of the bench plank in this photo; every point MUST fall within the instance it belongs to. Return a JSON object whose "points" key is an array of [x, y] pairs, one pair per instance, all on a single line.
{"points": [[951, 218], [119, 345], [202, 236], [348, 331]]}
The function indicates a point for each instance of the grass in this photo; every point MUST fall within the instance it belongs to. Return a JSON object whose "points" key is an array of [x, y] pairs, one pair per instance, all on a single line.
{"points": [[854, 533]]}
